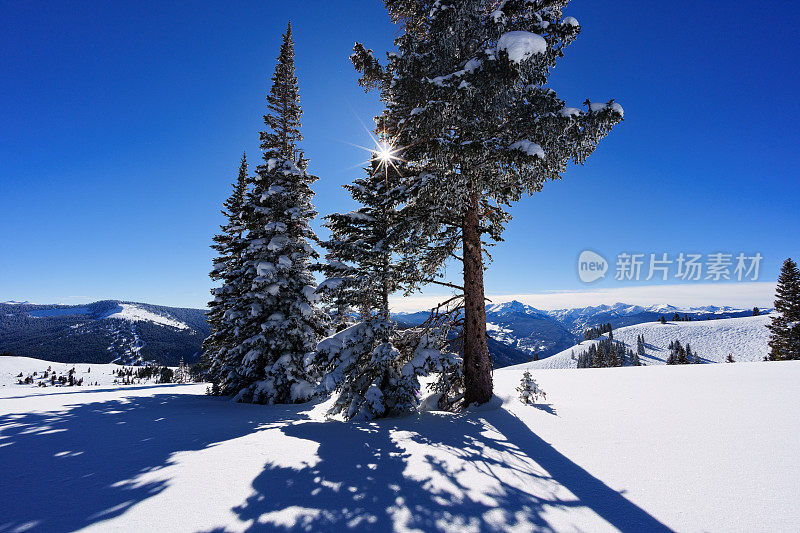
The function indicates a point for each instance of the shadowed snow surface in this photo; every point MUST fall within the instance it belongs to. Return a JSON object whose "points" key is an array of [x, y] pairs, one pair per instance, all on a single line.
{"points": [[698, 447]]}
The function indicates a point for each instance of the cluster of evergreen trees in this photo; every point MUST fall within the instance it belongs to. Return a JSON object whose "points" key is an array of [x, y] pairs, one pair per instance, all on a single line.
{"points": [[680, 355], [468, 128], [134, 375], [640, 345], [608, 353], [276, 336], [784, 340], [597, 332], [50, 375]]}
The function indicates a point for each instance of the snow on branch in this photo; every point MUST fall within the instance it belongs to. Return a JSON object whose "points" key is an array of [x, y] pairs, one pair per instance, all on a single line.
{"points": [[529, 147], [521, 45]]}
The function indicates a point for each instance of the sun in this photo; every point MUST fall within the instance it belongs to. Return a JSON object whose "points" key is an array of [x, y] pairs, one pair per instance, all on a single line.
{"points": [[385, 153]]}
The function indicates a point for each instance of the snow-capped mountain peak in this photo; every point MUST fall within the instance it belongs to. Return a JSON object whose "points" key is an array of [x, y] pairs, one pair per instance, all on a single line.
{"points": [[514, 306]]}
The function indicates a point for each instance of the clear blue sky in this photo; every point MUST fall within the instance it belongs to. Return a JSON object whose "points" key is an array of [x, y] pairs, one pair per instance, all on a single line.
{"points": [[122, 124]]}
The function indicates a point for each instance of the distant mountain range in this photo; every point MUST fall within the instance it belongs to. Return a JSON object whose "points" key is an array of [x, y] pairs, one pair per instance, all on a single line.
{"points": [[132, 333], [535, 334]]}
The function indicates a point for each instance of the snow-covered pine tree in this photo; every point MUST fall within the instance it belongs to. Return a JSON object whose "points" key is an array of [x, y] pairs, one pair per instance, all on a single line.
{"points": [[784, 340], [360, 362], [277, 318], [362, 269], [672, 358], [682, 355], [529, 391], [466, 99], [613, 355], [229, 245], [371, 366], [182, 373], [634, 358]]}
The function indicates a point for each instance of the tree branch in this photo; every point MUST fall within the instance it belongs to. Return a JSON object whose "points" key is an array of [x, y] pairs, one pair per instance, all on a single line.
{"points": [[444, 284]]}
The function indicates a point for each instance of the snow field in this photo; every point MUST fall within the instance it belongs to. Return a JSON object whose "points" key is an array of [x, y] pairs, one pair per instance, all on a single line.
{"points": [[10, 367], [745, 338], [688, 448]]}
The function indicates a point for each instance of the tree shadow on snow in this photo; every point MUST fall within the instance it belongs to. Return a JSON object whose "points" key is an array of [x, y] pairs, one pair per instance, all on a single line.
{"points": [[67, 469], [546, 407], [420, 473], [94, 389]]}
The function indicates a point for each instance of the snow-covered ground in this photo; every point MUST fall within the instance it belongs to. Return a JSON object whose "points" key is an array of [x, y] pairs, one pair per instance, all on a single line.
{"points": [[11, 367], [744, 338], [688, 448]]}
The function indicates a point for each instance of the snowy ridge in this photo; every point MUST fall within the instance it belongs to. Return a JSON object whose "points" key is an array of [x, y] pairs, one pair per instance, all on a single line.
{"points": [[744, 338], [103, 331], [122, 311], [134, 313]]}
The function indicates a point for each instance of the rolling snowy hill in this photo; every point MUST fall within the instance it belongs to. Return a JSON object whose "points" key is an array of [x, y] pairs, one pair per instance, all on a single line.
{"points": [[684, 448], [534, 333], [103, 332], [744, 338]]}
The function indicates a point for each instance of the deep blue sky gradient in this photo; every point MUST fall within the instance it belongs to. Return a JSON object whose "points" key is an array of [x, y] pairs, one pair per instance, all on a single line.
{"points": [[122, 124]]}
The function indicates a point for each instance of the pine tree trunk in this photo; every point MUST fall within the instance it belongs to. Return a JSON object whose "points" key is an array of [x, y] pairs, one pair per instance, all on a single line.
{"points": [[477, 368]]}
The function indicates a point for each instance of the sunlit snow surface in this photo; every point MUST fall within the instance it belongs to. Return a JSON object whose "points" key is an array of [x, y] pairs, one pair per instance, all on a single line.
{"points": [[122, 311], [135, 313], [745, 339], [691, 448]]}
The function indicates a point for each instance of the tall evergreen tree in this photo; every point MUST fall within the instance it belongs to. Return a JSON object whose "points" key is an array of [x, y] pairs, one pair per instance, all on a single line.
{"points": [[278, 323], [634, 357], [613, 355], [466, 99], [372, 366], [784, 341], [362, 268], [640, 345], [229, 246], [282, 135]]}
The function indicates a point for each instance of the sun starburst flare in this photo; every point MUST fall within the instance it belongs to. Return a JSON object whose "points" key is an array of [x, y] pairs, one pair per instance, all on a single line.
{"points": [[385, 153]]}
